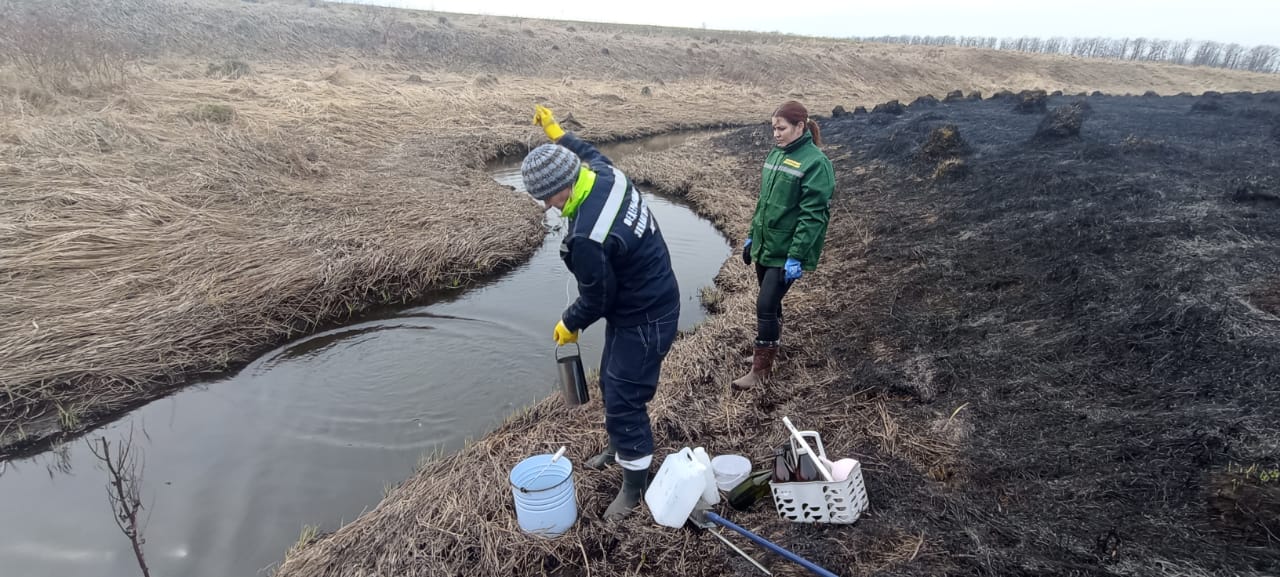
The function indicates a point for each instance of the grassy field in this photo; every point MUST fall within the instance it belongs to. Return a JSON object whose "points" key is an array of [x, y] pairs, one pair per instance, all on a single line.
{"points": [[1054, 356], [186, 184]]}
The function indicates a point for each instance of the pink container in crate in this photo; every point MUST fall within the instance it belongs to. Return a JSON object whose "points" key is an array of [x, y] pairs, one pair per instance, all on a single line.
{"points": [[840, 502]]}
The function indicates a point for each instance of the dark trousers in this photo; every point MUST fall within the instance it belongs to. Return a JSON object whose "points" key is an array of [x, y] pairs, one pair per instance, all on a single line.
{"points": [[629, 370], [773, 286]]}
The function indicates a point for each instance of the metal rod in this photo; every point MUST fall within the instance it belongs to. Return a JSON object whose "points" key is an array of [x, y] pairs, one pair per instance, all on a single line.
{"points": [[805, 445], [740, 552], [801, 561], [554, 458]]}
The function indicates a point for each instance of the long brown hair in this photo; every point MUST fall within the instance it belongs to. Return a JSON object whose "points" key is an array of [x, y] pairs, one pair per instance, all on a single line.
{"points": [[795, 113]]}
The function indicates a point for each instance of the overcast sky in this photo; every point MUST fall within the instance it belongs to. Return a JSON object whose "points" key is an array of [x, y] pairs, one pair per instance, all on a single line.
{"points": [[1248, 22]]}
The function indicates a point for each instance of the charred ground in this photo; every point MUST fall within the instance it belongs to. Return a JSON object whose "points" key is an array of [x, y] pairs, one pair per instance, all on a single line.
{"points": [[1101, 305], [1050, 338]]}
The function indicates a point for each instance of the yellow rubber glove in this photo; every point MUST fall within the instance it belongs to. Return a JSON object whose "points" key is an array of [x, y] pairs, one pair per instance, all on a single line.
{"points": [[543, 117], [564, 336]]}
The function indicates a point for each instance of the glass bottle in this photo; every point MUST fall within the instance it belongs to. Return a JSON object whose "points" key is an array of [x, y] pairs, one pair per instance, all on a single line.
{"points": [[751, 490], [782, 469], [807, 471]]}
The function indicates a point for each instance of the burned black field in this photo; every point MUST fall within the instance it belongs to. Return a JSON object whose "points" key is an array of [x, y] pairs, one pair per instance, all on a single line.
{"points": [[1081, 297], [1046, 326]]}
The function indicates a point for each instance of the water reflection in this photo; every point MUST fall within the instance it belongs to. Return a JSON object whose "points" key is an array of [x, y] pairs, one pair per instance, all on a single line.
{"points": [[123, 463], [312, 432], [60, 460], [314, 346]]}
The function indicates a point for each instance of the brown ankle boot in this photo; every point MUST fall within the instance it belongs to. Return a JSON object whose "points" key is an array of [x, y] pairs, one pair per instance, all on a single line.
{"points": [[761, 366]]}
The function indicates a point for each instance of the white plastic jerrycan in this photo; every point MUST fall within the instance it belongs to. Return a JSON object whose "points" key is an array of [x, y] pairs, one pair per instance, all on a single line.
{"points": [[676, 489], [710, 493]]}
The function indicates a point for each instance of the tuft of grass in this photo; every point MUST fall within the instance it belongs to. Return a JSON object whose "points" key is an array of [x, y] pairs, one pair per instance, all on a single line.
{"points": [[230, 69], [1247, 500], [68, 418], [712, 299], [308, 536], [1255, 473], [215, 113], [943, 143], [37, 97], [951, 169]]}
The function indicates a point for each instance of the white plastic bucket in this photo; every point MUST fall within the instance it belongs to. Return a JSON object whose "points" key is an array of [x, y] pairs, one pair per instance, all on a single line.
{"points": [[730, 470], [546, 500]]}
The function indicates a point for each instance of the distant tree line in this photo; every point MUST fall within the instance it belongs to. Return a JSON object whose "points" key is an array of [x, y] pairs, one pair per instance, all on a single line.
{"points": [[1196, 53]]}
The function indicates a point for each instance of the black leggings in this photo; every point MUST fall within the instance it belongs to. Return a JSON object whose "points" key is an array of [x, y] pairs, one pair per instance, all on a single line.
{"points": [[773, 286]]}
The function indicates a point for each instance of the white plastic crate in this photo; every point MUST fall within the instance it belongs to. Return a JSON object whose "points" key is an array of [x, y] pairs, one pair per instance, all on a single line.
{"points": [[819, 501]]}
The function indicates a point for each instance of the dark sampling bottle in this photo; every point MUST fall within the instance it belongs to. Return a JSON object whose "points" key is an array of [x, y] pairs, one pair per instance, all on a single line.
{"points": [[783, 471], [751, 490], [808, 470]]}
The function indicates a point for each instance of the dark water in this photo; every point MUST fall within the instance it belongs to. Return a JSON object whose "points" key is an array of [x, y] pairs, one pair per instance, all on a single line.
{"points": [[313, 432]]}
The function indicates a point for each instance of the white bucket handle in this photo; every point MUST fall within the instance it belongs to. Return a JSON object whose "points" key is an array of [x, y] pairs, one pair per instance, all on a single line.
{"points": [[554, 458]]}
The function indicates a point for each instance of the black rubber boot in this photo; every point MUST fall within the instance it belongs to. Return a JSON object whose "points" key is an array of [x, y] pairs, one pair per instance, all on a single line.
{"points": [[602, 461], [633, 485]]}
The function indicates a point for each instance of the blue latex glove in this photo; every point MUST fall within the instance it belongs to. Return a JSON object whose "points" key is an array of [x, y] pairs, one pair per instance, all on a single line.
{"points": [[793, 271]]}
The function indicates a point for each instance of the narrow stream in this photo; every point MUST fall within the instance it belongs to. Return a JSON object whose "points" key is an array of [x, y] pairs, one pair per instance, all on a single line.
{"points": [[312, 432]]}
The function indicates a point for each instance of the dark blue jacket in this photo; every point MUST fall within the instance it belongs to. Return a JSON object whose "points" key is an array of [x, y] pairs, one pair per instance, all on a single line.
{"points": [[615, 249]]}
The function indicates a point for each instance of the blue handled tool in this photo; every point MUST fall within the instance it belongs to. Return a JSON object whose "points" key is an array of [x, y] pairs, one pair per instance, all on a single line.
{"points": [[703, 517]]}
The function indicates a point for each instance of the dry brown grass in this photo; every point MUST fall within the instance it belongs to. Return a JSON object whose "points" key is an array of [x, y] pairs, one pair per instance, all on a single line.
{"points": [[263, 168], [454, 517], [147, 238]]}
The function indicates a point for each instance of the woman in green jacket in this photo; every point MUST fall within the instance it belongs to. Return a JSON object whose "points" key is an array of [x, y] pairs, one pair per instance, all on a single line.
{"points": [[789, 226]]}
